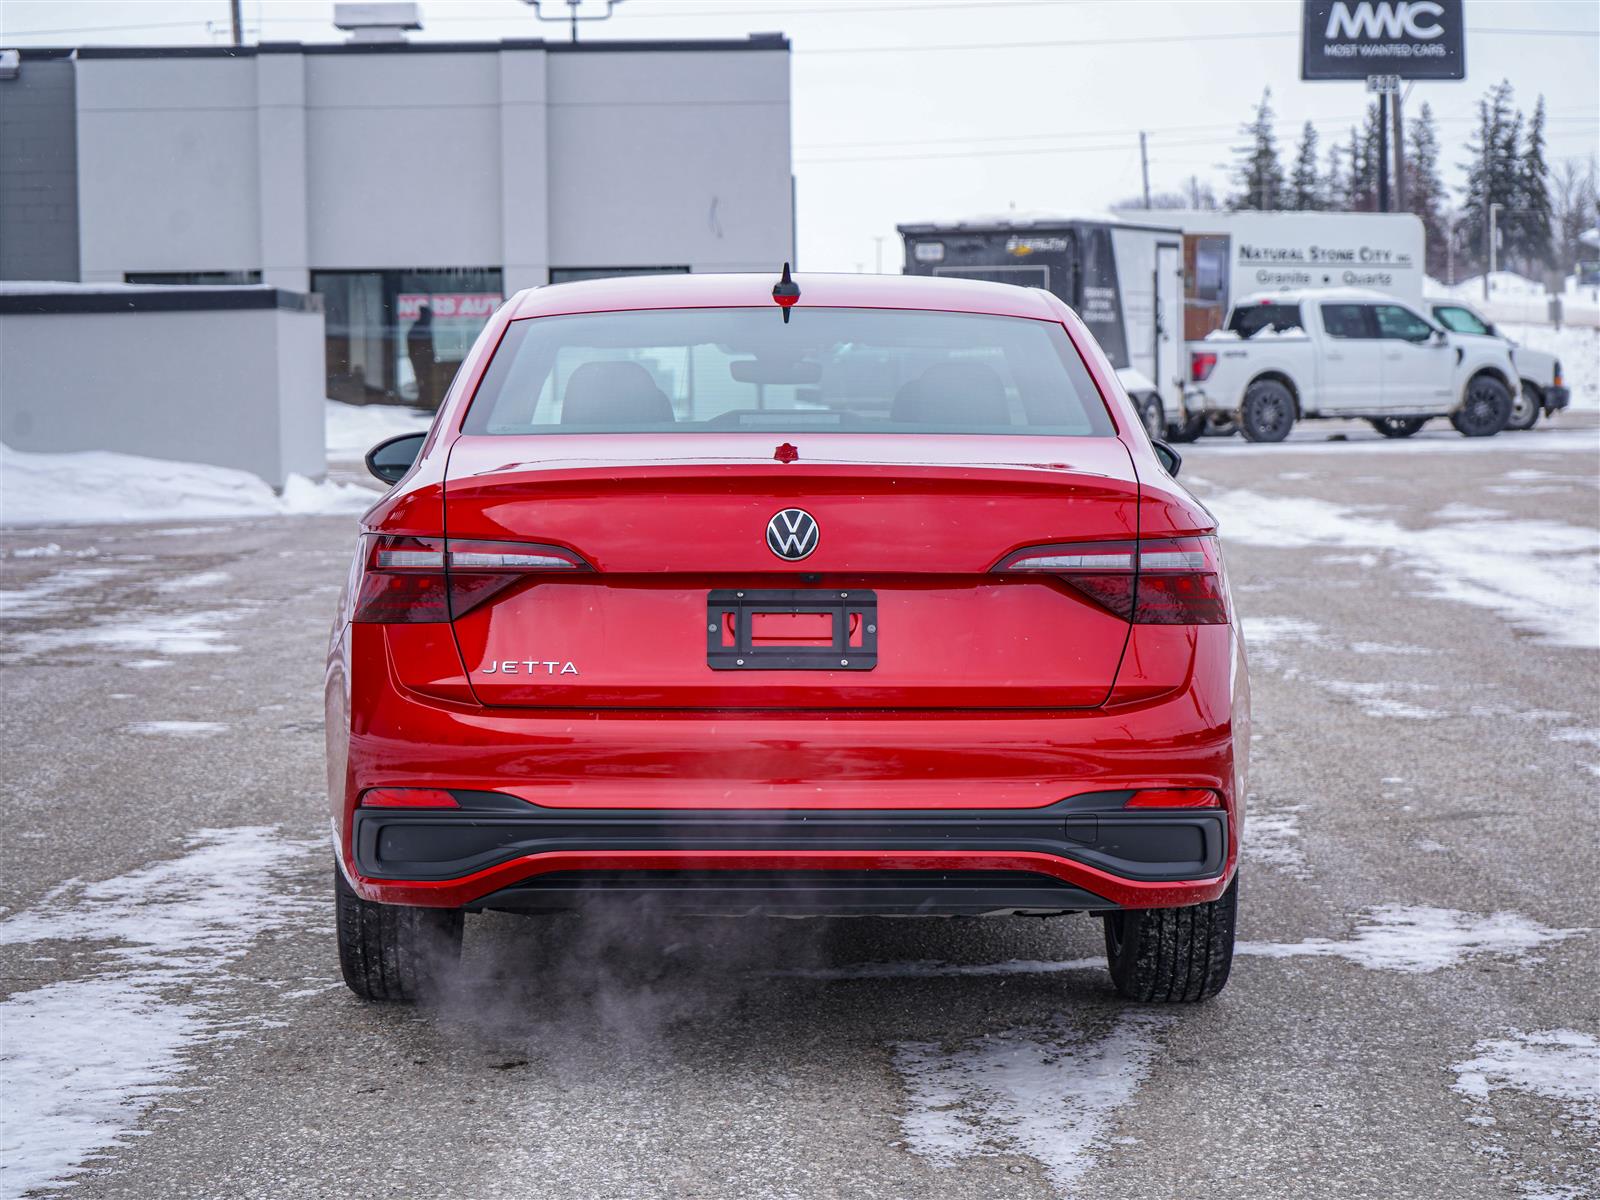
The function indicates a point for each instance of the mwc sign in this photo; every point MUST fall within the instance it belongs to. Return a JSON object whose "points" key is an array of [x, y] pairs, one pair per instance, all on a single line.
{"points": [[478, 306], [1355, 39]]}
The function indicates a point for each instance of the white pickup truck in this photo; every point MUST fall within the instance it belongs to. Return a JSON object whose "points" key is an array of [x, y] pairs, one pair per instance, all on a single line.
{"points": [[1543, 387], [1289, 356]]}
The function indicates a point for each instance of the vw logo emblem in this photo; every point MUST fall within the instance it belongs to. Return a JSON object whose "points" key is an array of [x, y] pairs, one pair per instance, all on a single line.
{"points": [[792, 534]]}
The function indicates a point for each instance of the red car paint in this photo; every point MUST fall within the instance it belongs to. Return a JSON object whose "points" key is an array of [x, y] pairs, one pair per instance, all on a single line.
{"points": [[1087, 703]]}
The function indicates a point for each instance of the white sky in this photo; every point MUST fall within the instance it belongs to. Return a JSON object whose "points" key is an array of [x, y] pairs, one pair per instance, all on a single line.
{"points": [[915, 110]]}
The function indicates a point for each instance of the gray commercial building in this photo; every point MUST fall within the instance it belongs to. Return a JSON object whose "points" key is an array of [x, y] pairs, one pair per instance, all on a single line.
{"points": [[395, 177]]}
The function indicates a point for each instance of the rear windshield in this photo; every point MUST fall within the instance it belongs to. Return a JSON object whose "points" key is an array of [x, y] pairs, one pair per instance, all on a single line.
{"points": [[855, 370], [1252, 319]]}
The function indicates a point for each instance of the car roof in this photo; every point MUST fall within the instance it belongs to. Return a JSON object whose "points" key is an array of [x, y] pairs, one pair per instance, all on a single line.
{"points": [[1299, 295], [754, 290]]}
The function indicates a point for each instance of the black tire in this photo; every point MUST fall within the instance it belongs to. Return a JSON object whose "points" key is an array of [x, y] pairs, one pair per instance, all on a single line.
{"points": [[1155, 421], [1188, 431], [393, 952], [1525, 409], [1173, 955], [1485, 410], [1267, 413], [1397, 427]]}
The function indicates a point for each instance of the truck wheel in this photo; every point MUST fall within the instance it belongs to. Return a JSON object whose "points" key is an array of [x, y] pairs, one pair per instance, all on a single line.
{"points": [[1398, 427], [1267, 412], [1486, 409], [1173, 955], [1188, 431], [1526, 407], [390, 951], [1155, 421]]}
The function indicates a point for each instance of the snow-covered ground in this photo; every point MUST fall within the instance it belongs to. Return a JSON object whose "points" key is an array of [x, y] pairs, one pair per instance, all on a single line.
{"points": [[353, 429], [96, 487], [1514, 297]]}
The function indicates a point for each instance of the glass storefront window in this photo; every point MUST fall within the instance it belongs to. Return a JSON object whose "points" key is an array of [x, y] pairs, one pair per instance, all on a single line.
{"points": [[397, 337], [573, 274]]}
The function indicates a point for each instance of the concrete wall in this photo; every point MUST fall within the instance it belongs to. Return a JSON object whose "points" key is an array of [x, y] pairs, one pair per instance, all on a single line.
{"points": [[285, 159], [39, 172], [235, 388]]}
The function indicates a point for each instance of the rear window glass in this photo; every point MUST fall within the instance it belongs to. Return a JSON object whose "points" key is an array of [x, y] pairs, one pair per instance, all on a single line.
{"points": [[1253, 318], [853, 370]]}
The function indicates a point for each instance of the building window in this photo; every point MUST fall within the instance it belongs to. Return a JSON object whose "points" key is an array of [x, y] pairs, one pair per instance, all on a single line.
{"points": [[573, 274], [397, 337], [193, 278]]}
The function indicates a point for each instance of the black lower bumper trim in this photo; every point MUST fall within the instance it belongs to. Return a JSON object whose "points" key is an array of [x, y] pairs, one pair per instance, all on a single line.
{"points": [[800, 893], [1144, 845]]}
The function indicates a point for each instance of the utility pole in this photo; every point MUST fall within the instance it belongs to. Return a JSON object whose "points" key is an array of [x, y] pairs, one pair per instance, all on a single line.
{"points": [[1144, 168], [238, 22], [1398, 136], [1383, 151]]}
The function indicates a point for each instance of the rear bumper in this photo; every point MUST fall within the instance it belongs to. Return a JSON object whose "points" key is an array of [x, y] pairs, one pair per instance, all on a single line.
{"points": [[1085, 853]]}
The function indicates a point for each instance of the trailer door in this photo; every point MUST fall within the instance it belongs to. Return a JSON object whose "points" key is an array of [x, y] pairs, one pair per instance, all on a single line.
{"points": [[1169, 374]]}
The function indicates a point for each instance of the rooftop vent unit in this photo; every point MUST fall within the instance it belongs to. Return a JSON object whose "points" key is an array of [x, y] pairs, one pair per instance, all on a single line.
{"points": [[380, 22]]}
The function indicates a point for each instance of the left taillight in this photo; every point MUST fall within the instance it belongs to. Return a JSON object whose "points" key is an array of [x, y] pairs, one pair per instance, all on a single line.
{"points": [[1153, 581], [415, 580]]}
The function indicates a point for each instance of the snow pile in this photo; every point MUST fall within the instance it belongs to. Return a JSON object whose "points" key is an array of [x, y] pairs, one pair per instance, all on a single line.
{"points": [[1418, 939], [84, 1057], [1543, 576], [1556, 1064], [1050, 1094], [1577, 349], [99, 486], [353, 429], [1514, 297]]}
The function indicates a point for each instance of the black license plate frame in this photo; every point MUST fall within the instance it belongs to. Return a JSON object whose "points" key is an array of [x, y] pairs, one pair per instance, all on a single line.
{"points": [[745, 603]]}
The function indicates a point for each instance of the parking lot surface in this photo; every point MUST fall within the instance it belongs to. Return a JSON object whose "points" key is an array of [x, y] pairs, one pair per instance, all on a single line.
{"points": [[1413, 1012]]}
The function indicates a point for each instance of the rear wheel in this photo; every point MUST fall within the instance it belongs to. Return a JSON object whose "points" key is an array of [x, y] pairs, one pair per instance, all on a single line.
{"points": [[390, 951], [1155, 421], [1486, 409], [1173, 955], [1398, 427], [1267, 413], [1526, 407]]}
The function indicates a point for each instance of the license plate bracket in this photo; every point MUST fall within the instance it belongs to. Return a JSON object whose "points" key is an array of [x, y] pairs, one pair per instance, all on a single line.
{"points": [[730, 638]]}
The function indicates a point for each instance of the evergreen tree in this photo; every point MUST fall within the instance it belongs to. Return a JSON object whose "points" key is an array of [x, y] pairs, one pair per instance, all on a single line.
{"points": [[1305, 188], [1259, 173], [1425, 194], [1533, 228], [1336, 183], [1492, 172]]}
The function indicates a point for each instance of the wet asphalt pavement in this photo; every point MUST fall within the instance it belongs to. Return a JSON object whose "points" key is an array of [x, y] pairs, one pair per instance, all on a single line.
{"points": [[1416, 1015]]}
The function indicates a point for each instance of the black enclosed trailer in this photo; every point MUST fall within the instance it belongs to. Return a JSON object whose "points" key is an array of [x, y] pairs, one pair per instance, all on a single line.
{"points": [[1124, 279]]}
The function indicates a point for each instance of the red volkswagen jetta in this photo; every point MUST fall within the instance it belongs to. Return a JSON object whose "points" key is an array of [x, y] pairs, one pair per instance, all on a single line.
{"points": [[849, 595]]}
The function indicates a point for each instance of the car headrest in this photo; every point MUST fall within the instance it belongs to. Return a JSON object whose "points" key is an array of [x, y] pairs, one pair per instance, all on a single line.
{"points": [[953, 393], [614, 393]]}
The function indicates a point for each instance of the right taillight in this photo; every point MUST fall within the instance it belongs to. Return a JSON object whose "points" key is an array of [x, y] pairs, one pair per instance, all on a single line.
{"points": [[1201, 364], [1153, 581], [412, 580]]}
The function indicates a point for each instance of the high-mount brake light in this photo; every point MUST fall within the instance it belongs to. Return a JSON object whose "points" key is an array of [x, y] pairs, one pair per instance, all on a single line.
{"points": [[410, 580], [1155, 581], [1201, 364]]}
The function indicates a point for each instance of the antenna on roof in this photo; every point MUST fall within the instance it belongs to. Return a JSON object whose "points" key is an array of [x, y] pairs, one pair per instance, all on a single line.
{"points": [[786, 291]]}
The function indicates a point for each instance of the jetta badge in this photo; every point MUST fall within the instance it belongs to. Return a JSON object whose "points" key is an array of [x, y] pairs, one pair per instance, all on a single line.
{"points": [[792, 534]]}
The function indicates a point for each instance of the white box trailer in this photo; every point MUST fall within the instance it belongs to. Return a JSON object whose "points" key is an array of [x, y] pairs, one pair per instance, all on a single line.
{"points": [[1123, 277], [1230, 255]]}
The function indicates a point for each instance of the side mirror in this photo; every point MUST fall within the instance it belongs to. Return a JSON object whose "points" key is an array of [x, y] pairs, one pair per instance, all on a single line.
{"points": [[390, 460], [1437, 337], [1170, 458]]}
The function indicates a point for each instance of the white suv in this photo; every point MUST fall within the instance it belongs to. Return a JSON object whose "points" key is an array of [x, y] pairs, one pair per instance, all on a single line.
{"points": [[1543, 388]]}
